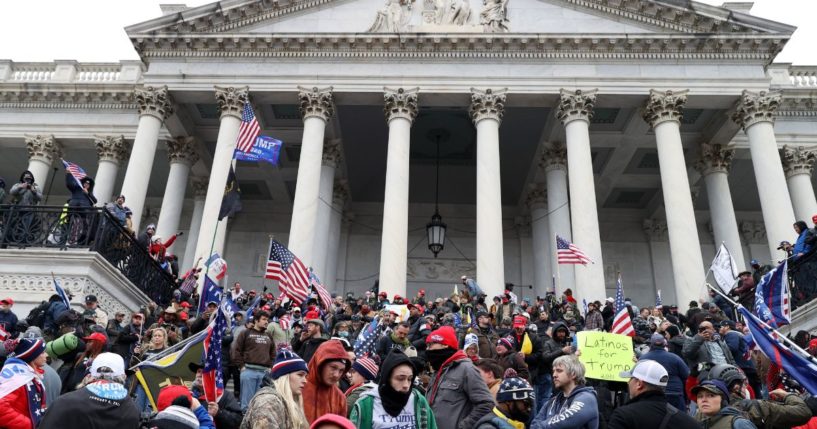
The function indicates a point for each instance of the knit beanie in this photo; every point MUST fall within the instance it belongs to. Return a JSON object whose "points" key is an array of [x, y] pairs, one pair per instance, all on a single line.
{"points": [[175, 417], [470, 340], [168, 394], [445, 335], [25, 349], [366, 367], [507, 342], [287, 362], [514, 388]]}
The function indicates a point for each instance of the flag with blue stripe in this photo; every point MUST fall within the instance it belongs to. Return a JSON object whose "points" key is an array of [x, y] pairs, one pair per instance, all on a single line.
{"points": [[253, 306], [211, 293], [772, 297], [62, 294], [365, 343]]}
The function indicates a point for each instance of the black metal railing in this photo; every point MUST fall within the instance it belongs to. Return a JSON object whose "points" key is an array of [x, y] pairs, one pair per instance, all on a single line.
{"points": [[803, 279], [92, 228]]}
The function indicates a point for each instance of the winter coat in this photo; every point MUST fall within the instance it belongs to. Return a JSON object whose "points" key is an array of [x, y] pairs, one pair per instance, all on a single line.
{"points": [[102, 404], [553, 349], [8, 320], [361, 414], [677, 369], [354, 392], [695, 352], [78, 197], [727, 418], [125, 342], [266, 410], [320, 398], [579, 410], [229, 410], [487, 339], [515, 360], [54, 311], [648, 410], [801, 245], [306, 349], [462, 397], [675, 345], [791, 411], [16, 411], [158, 249], [737, 345], [493, 421], [23, 196], [386, 343]]}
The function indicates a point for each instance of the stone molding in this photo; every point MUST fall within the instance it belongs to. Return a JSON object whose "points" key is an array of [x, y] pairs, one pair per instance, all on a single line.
{"points": [[111, 148], [575, 105], [523, 226], [43, 147], [554, 157], [797, 160], [715, 158], [332, 153], [655, 229], [200, 185], [754, 107], [340, 193], [439, 270], [316, 102], [182, 149], [487, 104], [400, 103], [664, 106], [753, 232], [154, 102], [537, 196], [231, 100]]}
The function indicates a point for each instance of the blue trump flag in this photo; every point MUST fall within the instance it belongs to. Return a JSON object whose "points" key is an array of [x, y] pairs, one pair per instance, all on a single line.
{"points": [[792, 361], [772, 297], [211, 293], [265, 149]]}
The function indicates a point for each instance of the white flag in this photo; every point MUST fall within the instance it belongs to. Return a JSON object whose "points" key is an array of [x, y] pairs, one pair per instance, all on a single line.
{"points": [[724, 269]]}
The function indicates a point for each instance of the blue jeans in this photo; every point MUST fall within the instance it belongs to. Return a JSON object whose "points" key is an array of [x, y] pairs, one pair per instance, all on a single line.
{"points": [[543, 387], [250, 383]]}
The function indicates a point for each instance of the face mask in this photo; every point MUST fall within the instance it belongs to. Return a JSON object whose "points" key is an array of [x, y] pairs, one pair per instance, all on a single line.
{"points": [[438, 357], [343, 334], [519, 415]]}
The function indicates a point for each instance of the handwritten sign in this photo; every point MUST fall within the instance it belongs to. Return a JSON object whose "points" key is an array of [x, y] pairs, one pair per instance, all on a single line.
{"points": [[605, 355]]}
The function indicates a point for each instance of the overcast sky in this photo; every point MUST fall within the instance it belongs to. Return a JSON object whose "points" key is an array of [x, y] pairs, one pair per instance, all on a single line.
{"points": [[93, 30]]}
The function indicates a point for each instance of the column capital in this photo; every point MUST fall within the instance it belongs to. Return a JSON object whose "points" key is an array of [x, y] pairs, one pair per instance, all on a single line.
{"points": [[537, 196], [182, 149], [231, 100], [487, 104], [400, 103], [664, 106], [43, 147], [340, 193], [554, 157], [316, 102], [754, 107], [523, 226], [575, 105], [715, 158], [797, 160], [111, 148], [332, 153], [753, 232], [199, 187], [154, 102], [655, 229]]}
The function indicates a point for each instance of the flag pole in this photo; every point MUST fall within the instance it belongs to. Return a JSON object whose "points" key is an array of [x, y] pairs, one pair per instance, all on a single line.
{"points": [[207, 266]]}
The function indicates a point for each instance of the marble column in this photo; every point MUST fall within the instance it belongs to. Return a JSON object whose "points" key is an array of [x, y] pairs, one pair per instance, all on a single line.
{"points": [[754, 112], [331, 158], [112, 152], [487, 109], [199, 195], [540, 237], [663, 113], [554, 162], [575, 110], [316, 107], [660, 265], [714, 166], [340, 196], [231, 105], [181, 152], [400, 109], [798, 164], [43, 150], [155, 105]]}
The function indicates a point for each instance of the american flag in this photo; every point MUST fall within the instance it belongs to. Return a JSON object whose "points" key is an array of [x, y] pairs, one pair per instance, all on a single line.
{"points": [[285, 322], [248, 131], [76, 171], [61, 292], [568, 253], [211, 376], [364, 345], [621, 322], [291, 273], [323, 294]]}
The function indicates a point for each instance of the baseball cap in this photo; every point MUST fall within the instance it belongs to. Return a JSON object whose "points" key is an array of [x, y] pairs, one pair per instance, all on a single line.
{"points": [[96, 336], [658, 340], [90, 298], [648, 371], [108, 360], [7, 301], [520, 322], [717, 387]]}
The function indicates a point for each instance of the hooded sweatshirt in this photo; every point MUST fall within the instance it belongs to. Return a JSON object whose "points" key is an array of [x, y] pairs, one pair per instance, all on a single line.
{"points": [[579, 410], [320, 398]]}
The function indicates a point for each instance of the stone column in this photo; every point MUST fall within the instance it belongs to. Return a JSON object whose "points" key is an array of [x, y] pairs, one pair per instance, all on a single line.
{"points": [[660, 264], [112, 152], [663, 113], [714, 166], [331, 158], [575, 110], [754, 234], [199, 195], [231, 105], [755, 114], [798, 164], [340, 195], [487, 108], [155, 106], [554, 161], [181, 152], [537, 203], [42, 151], [316, 108], [400, 109]]}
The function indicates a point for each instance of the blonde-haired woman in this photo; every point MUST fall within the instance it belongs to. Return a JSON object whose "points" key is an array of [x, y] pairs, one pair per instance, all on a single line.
{"points": [[279, 404], [158, 343]]}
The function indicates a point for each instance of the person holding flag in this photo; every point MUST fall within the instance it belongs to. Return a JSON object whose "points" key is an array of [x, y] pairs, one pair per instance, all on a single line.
{"points": [[81, 187]]}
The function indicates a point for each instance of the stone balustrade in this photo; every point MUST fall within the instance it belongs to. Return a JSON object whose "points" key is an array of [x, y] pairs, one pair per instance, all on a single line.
{"points": [[71, 72]]}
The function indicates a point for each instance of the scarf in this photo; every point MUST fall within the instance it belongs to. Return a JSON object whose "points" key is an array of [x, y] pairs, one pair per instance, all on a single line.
{"points": [[458, 354], [392, 400], [404, 342]]}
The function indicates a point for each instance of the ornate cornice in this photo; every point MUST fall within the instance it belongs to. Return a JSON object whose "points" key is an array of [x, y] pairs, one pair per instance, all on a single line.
{"points": [[200, 185], [95, 98], [111, 148], [754, 107], [797, 160], [537, 196], [400, 103], [664, 106], [715, 158], [154, 102], [554, 157], [340, 193], [316, 102], [487, 104], [332, 153], [183, 150], [231, 100], [655, 229], [575, 105], [43, 147], [753, 232]]}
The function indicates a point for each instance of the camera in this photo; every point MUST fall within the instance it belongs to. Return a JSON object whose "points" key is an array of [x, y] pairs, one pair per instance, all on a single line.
{"points": [[29, 180]]}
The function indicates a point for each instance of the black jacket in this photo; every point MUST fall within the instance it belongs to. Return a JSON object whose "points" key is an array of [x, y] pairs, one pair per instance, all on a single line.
{"points": [[647, 410], [553, 349], [305, 349]]}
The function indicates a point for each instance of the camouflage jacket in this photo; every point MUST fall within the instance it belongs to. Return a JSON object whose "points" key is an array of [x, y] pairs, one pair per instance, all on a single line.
{"points": [[266, 410]]}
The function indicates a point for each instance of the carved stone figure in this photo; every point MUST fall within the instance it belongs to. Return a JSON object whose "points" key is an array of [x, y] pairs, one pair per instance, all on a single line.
{"points": [[393, 18], [494, 16], [452, 12]]}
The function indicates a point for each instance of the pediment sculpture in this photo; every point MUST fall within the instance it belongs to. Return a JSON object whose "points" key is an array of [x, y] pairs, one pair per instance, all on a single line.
{"points": [[442, 16]]}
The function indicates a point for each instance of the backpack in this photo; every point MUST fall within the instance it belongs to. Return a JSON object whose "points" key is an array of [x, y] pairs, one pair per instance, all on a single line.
{"points": [[36, 317]]}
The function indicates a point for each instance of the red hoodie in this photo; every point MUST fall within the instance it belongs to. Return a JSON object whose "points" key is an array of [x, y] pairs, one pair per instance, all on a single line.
{"points": [[320, 398]]}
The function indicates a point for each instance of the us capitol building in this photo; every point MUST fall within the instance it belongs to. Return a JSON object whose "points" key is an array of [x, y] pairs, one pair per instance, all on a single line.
{"points": [[645, 132]]}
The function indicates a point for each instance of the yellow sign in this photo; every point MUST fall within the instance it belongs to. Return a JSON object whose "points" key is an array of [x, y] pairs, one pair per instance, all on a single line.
{"points": [[605, 355]]}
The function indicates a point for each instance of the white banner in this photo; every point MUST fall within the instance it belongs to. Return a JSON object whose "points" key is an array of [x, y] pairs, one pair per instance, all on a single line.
{"points": [[724, 269], [14, 375]]}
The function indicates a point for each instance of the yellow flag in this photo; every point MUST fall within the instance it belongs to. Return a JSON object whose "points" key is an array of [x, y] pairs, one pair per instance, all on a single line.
{"points": [[527, 345]]}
